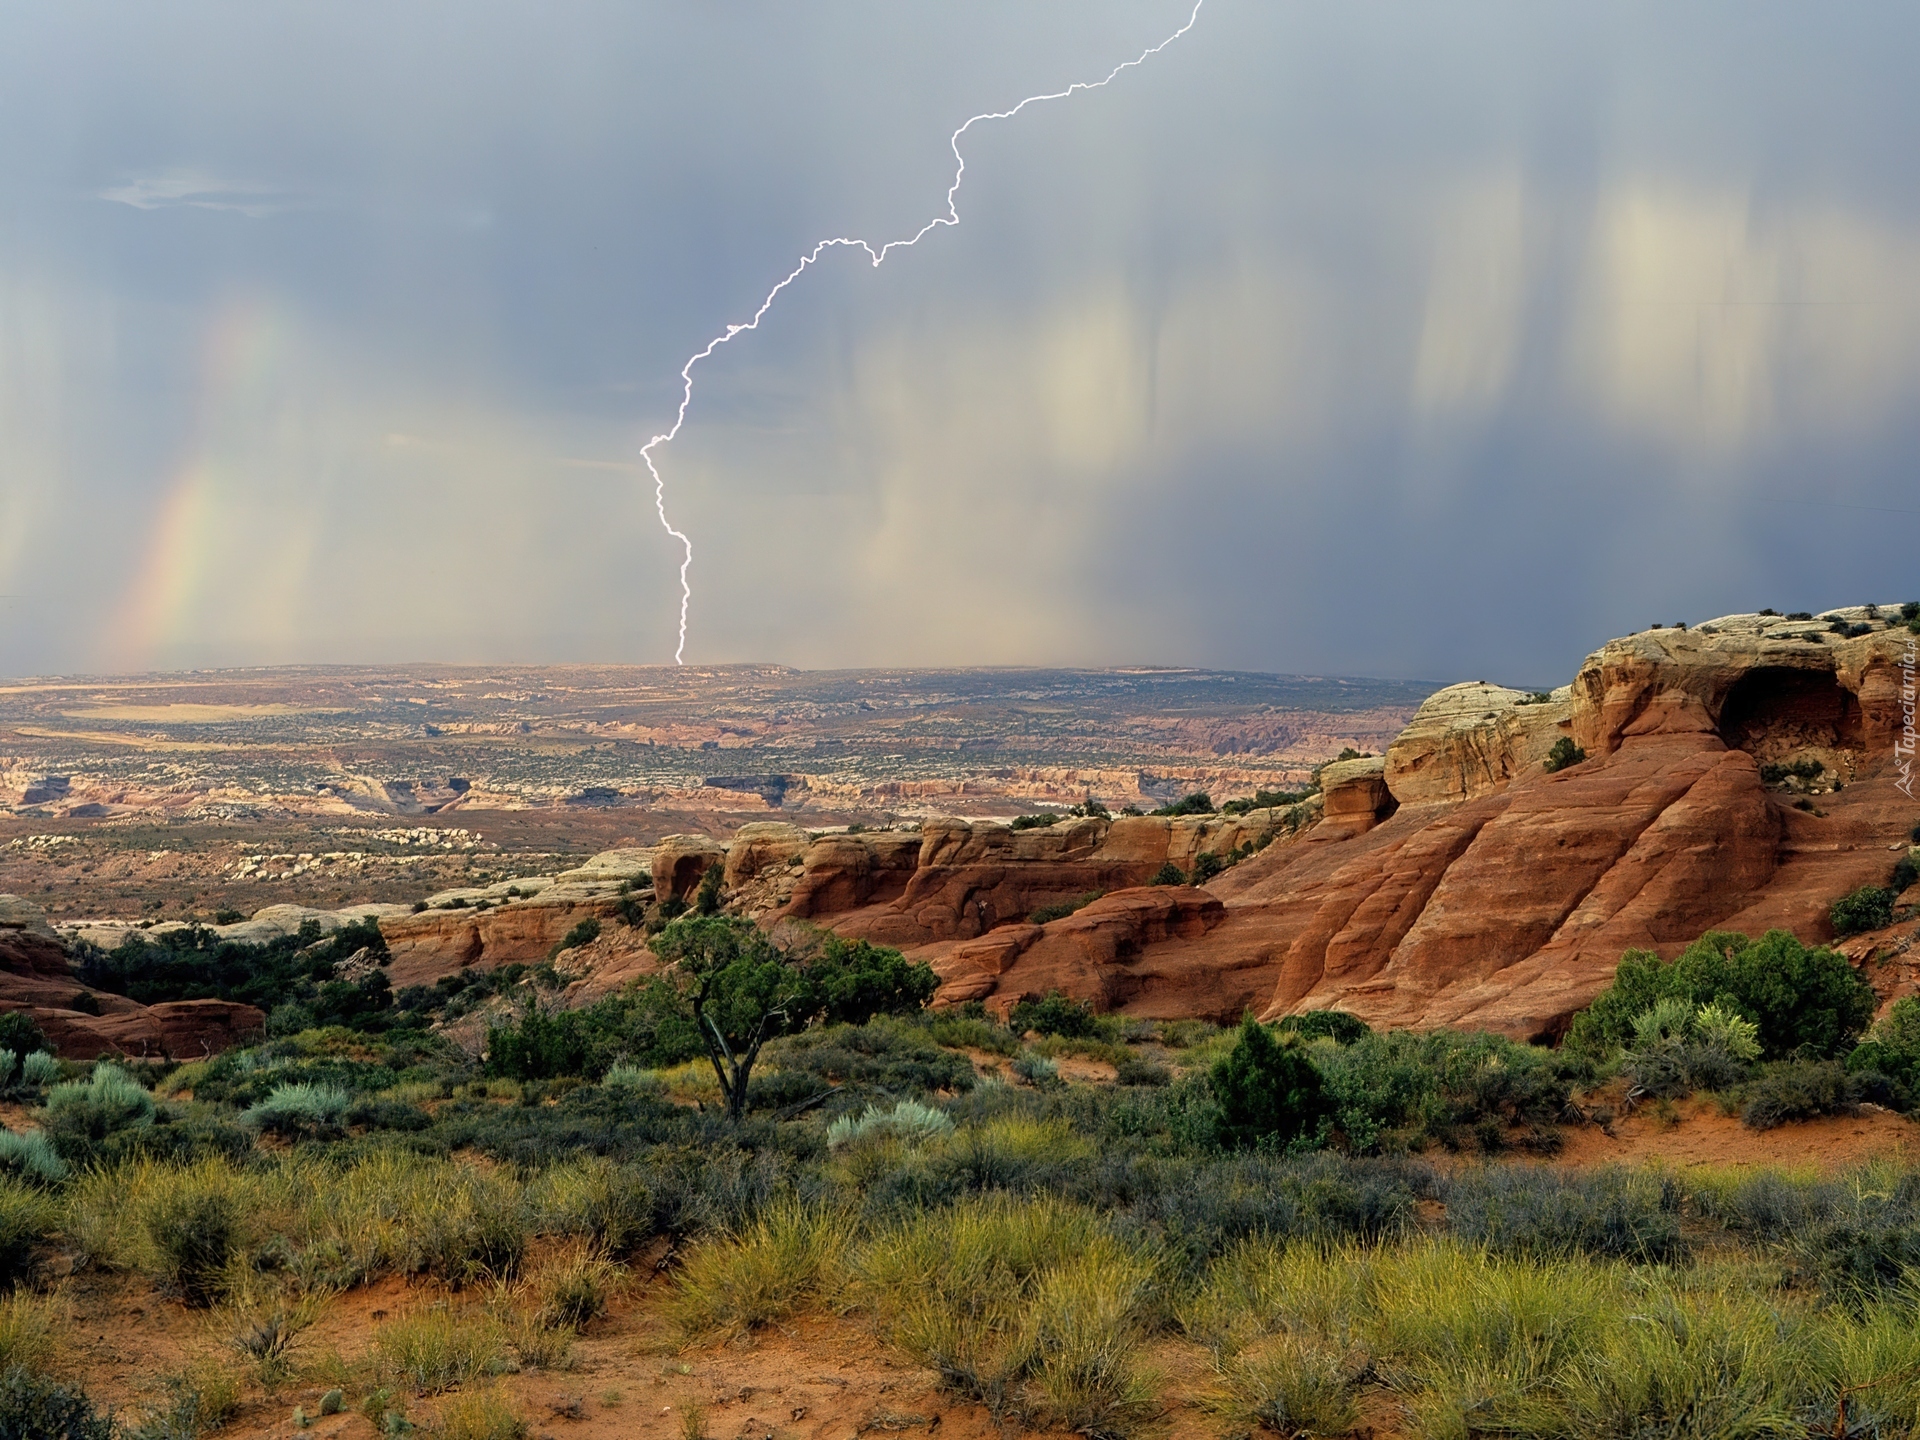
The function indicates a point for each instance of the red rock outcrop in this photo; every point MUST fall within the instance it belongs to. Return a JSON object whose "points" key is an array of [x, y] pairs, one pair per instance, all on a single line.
{"points": [[957, 879], [1485, 891]]}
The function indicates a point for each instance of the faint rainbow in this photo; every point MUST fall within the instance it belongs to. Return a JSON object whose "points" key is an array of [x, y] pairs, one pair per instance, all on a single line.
{"points": [[156, 609]]}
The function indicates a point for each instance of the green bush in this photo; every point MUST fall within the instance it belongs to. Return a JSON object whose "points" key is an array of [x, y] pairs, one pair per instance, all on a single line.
{"points": [[1799, 997], [1868, 908], [37, 1407], [194, 963], [1055, 1014], [1893, 1046], [1168, 874], [1269, 1093], [21, 1033], [1563, 755], [1037, 822], [1198, 803], [1138, 1070], [39, 1068], [584, 933], [1905, 872], [81, 1114], [1797, 1090], [1454, 1088], [300, 1109], [1333, 1024]]}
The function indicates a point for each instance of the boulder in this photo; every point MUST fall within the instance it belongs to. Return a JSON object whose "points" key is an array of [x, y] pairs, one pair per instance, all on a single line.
{"points": [[1354, 794]]}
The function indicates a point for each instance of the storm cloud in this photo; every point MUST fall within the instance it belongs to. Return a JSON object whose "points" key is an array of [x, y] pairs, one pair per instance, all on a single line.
{"points": [[1434, 341]]}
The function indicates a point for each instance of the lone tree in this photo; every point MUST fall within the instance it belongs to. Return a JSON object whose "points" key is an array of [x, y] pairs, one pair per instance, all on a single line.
{"points": [[742, 989]]}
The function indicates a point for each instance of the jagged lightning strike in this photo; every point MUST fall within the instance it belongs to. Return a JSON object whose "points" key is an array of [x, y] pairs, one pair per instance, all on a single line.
{"points": [[952, 217]]}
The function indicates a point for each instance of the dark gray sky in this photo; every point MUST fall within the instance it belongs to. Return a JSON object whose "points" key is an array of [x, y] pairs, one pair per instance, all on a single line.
{"points": [[1425, 340]]}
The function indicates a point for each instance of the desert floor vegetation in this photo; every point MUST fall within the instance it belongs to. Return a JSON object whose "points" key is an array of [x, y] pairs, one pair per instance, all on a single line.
{"points": [[1304, 1229]]}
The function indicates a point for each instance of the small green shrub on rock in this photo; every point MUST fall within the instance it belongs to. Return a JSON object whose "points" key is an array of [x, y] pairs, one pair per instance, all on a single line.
{"points": [[1563, 755], [1868, 908]]}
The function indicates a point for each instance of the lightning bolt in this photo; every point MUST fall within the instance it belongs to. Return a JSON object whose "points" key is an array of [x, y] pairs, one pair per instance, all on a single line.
{"points": [[952, 217]]}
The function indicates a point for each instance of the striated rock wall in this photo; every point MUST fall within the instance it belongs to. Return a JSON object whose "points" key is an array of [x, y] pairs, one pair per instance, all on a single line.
{"points": [[1455, 882]]}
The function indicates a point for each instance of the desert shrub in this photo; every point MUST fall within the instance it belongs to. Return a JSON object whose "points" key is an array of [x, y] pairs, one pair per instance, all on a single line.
{"points": [[583, 933], [30, 1156], [39, 1068], [35, 1407], [29, 1333], [1331, 1024], [1061, 909], [1206, 865], [1037, 822], [1031, 1307], [1799, 997], [1139, 1070], [1055, 1014], [1868, 908], [571, 1289], [435, 1349], [83, 1113], [968, 1027], [1905, 872], [192, 1220], [884, 1054], [199, 1400], [1269, 1093], [1168, 874], [472, 1227], [300, 1109], [1679, 1047], [771, 1269], [1544, 1213], [1035, 1068], [1797, 1090], [1202, 1210], [1564, 755], [909, 1120], [646, 1024]]}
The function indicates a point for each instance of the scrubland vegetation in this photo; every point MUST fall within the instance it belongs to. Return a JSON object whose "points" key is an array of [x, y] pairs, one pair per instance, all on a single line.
{"points": [[1336, 1230]]}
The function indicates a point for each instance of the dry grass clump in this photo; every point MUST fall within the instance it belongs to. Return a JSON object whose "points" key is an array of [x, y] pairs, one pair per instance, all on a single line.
{"points": [[1031, 1306], [610, 1205], [791, 1256], [31, 1327], [27, 1216], [481, 1415], [436, 1348]]}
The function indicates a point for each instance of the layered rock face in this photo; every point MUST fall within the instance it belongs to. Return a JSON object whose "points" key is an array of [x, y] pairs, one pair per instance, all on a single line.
{"points": [[959, 879], [1483, 891]]}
